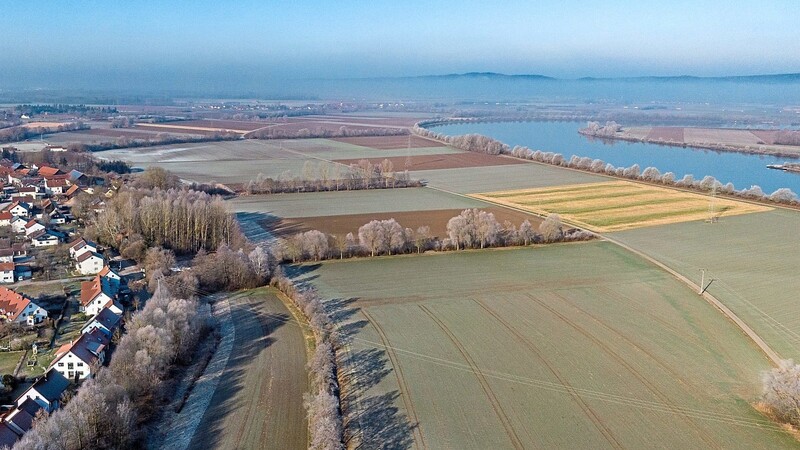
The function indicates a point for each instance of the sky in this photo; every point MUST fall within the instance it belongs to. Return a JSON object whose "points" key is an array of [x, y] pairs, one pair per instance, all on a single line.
{"points": [[81, 43]]}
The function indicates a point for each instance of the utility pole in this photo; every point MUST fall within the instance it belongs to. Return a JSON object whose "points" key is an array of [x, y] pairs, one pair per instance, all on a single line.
{"points": [[702, 281]]}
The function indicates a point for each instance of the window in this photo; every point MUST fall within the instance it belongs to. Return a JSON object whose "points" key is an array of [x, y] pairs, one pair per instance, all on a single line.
{"points": [[80, 364], [60, 364], [70, 374], [70, 366]]}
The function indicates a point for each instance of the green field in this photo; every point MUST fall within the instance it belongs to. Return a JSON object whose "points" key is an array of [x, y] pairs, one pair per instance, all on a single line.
{"points": [[568, 346], [753, 261], [351, 202], [500, 178]]}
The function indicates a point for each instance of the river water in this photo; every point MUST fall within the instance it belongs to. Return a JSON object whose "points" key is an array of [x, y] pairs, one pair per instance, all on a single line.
{"points": [[743, 170]]}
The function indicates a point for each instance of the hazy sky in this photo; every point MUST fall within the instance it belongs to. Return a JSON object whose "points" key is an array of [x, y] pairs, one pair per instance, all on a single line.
{"points": [[52, 42]]}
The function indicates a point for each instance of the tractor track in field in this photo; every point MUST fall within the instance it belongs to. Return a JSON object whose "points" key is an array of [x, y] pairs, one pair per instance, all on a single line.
{"points": [[401, 380], [642, 379], [498, 409], [598, 423]]}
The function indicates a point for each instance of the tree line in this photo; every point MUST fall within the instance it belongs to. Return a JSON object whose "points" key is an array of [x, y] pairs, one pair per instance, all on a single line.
{"points": [[634, 172], [20, 133], [108, 410], [472, 228], [334, 177], [277, 132]]}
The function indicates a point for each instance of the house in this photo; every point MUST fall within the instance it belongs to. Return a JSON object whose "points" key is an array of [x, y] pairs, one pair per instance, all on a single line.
{"points": [[32, 226], [80, 358], [7, 437], [109, 273], [20, 249], [44, 238], [22, 272], [46, 391], [97, 294], [56, 148], [55, 186], [56, 217], [7, 272], [72, 191], [17, 308], [107, 321], [49, 172], [78, 178], [19, 209], [6, 255], [89, 263], [81, 246], [20, 420], [5, 218], [18, 224]]}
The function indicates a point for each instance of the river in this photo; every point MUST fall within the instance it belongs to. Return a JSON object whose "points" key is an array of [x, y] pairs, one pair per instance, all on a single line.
{"points": [[743, 170]]}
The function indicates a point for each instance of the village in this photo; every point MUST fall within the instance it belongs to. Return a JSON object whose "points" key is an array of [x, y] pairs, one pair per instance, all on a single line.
{"points": [[61, 303]]}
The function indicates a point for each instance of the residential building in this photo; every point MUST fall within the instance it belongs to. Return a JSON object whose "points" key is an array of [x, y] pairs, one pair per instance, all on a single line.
{"points": [[97, 294], [46, 391], [5, 218], [107, 321], [18, 224], [19, 209], [15, 307], [80, 246], [7, 272], [89, 263], [44, 238], [79, 359], [33, 227]]}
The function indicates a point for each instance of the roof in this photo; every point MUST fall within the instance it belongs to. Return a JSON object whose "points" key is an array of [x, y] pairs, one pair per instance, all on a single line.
{"points": [[6, 252], [75, 174], [91, 289], [106, 318], [72, 189], [11, 302], [87, 347], [107, 270], [51, 385], [44, 235], [6, 215], [49, 171], [21, 418], [5, 267], [31, 223], [56, 182], [7, 436], [86, 255], [18, 203]]}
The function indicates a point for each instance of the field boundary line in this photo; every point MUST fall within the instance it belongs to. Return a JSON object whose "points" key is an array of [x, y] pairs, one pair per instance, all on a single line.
{"points": [[498, 409], [771, 354], [595, 419], [398, 372]]}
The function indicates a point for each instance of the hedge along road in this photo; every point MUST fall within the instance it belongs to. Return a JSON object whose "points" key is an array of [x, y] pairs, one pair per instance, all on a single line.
{"points": [[749, 332]]}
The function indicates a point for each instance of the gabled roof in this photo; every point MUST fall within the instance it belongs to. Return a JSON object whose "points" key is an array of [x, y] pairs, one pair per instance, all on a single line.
{"points": [[87, 347], [86, 255], [6, 215], [106, 270], [6, 267], [11, 302], [49, 171], [75, 174], [43, 235], [7, 436], [31, 223], [21, 418], [72, 190], [106, 318], [6, 252], [91, 289], [56, 182], [80, 243], [18, 203], [51, 385]]}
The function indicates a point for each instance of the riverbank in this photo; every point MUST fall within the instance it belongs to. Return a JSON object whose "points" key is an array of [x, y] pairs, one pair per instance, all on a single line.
{"points": [[752, 142]]}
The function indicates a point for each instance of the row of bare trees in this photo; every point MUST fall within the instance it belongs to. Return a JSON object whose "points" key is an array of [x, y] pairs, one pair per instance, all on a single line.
{"points": [[107, 410], [183, 220], [323, 403], [472, 228], [278, 132], [334, 177], [650, 174], [781, 392], [610, 129]]}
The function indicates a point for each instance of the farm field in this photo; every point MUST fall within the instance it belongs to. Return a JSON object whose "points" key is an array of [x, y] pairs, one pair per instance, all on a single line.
{"points": [[475, 180], [390, 142], [735, 138], [752, 260], [620, 205], [340, 225], [440, 161], [260, 402], [492, 349]]}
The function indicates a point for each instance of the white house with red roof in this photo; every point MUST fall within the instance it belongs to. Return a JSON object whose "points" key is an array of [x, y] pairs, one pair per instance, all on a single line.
{"points": [[19, 209], [18, 224], [55, 186], [5, 218], [99, 293], [33, 227], [43, 238], [81, 246], [89, 263], [79, 359], [17, 308], [7, 272]]}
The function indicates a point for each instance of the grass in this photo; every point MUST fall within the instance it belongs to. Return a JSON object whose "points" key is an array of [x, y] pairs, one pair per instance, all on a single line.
{"points": [[620, 205], [562, 346], [9, 361], [753, 261]]}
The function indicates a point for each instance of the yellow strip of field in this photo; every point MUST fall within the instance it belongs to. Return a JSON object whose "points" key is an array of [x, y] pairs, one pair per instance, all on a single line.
{"points": [[620, 205]]}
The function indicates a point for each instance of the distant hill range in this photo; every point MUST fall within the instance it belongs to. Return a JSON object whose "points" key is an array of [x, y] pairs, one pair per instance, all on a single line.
{"points": [[775, 78]]}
